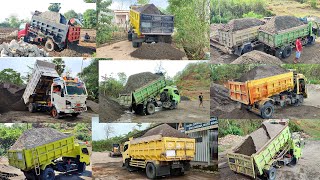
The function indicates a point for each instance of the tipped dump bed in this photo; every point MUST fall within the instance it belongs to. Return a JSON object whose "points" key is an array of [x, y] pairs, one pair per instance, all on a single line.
{"points": [[137, 81], [149, 9], [166, 131]]}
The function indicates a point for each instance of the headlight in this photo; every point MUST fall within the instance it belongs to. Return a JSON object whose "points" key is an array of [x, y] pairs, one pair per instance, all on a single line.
{"points": [[170, 153]]}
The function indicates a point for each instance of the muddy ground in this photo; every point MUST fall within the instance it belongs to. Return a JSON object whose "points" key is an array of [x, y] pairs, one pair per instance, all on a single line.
{"points": [[121, 51], [309, 55], [306, 168], [105, 167], [187, 111], [87, 175], [43, 117]]}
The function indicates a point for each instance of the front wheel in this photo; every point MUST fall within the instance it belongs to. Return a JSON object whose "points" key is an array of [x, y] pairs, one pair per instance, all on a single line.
{"points": [[267, 110], [287, 52], [54, 113], [81, 167], [48, 174], [32, 107], [49, 45], [151, 171], [151, 108]]}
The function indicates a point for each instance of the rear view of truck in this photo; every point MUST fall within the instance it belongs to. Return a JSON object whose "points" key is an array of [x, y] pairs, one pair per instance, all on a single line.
{"points": [[269, 147], [148, 24]]}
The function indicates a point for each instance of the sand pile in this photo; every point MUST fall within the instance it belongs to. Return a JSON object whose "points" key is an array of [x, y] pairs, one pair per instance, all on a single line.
{"points": [[262, 71], [257, 57], [243, 23], [166, 131], [156, 51], [137, 81], [149, 9], [280, 23], [110, 110]]}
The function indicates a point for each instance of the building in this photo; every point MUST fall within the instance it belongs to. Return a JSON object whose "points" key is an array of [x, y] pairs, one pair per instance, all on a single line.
{"points": [[121, 18]]}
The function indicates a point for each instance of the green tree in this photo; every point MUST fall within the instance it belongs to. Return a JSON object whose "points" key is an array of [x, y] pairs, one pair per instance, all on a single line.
{"points": [[10, 76], [60, 65], [90, 18], [71, 14], [143, 2], [13, 21], [90, 75], [55, 7], [104, 27]]}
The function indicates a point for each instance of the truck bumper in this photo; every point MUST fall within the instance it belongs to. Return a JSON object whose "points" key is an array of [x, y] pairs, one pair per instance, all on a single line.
{"points": [[75, 110]]}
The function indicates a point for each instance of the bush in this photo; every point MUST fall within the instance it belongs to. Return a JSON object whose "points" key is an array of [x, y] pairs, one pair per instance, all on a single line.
{"points": [[313, 4], [251, 14]]}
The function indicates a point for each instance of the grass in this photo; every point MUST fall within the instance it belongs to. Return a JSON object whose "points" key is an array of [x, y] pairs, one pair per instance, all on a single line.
{"points": [[294, 8], [310, 127]]}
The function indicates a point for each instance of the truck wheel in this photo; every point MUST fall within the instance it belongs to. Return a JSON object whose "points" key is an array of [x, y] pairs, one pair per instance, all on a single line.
{"points": [[151, 108], [151, 171], [278, 53], [47, 174], [32, 107], [75, 114], [49, 45], [247, 48], [54, 113], [287, 52], [29, 175], [299, 101], [271, 173], [135, 44], [293, 161], [164, 96], [81, 167], [311, 40], [267, 111]]}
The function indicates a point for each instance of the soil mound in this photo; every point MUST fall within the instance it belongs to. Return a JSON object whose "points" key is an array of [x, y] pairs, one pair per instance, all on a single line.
{"points": [[93, 106], [32, 138], [262, 71], [166, 131], [243, 23], [156, 51], [257, 57], [279, 23], [110, 110], [10, 97], [139, 80], [149, 9]]}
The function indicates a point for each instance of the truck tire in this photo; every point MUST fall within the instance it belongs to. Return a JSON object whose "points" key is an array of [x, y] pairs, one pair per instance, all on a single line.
{"points": [[49, 45], [278, 53], [151, 171], [311, 40], [293, 161], [151, 108], [247, 48], [47, 174], [75, 114], [29, 175], [135, 44], [271, 173], [81, 167], [267, 110], [54, 113], [299, 100], [287, 52], [32, 107]]}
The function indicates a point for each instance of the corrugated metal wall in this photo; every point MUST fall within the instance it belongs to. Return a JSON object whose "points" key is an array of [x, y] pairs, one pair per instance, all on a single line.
{"points": [[202, 148]]}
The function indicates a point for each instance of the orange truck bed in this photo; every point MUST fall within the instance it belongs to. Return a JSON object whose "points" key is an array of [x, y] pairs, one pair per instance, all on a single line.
{"points": [[253, 91]]}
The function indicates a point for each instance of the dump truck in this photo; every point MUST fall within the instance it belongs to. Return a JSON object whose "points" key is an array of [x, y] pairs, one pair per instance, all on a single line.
{"points": [[51, 29], [148, 24], [261, 95], [116, 150], [159, 156], [144, 99], [47, 91], [41, 162], [280, 44], [279, 148]]}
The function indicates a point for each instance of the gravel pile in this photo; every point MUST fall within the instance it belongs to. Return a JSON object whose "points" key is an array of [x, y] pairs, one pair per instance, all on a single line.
{"points": [[262, 71], [50, 16], [21, 49], [280, 23], [32, 138], [149, 9], [243, 23], [166, 131], [257, 57], [158, 51], [139, 80]]}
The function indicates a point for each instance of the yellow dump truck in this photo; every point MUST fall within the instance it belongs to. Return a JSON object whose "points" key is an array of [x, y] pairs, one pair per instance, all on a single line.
{"points": [[159, 156], [148, 24], [261, 95], [40, 162]]}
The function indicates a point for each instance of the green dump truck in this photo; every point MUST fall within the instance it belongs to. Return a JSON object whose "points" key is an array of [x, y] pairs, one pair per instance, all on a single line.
{"points": [[144, 99], [266, 149], [55, 152], [280, 44]]}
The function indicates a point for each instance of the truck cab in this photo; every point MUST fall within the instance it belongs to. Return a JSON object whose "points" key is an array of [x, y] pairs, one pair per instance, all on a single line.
{"points": [[23, 31], [125, 153], [170, 97], [68, 96]]}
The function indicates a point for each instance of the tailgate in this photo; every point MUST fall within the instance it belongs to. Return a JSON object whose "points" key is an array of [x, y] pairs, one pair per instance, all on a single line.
{"points": [[238, 91], [156, 24], [125, 100], [17, 159], [73, 33], [179, 148], [241, 164]]}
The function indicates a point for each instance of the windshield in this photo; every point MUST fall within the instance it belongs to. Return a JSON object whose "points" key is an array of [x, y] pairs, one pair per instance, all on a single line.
{"points": [[22, 26], [75, 89]]}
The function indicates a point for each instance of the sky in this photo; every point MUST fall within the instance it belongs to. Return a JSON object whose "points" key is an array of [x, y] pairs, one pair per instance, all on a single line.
{"points": [[98, 132], [23, 8], [130, 67], [125, 4], [20, 64]]}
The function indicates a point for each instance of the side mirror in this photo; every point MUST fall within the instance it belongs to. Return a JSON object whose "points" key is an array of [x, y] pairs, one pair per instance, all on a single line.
{"points": [[62, 93]]}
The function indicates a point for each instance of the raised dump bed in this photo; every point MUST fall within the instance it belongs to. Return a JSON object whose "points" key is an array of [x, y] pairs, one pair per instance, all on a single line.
{"points": [[270, 146]]}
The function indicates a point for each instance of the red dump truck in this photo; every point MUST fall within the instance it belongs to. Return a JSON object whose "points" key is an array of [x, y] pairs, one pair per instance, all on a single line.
{"points": [[51, 29]]}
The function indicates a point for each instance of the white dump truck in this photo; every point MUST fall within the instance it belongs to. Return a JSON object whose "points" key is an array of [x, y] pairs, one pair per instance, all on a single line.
{"points": [[47, 91]]}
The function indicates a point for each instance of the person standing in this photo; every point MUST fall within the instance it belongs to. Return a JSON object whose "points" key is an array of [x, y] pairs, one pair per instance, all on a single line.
{"points": [[298, 50], [201, 100]]}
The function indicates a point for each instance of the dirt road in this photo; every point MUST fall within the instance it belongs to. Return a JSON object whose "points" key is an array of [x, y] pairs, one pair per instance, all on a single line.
{"points": [[187, 111], [105, 167], [87, 175], [306, 168], [41, 117]]}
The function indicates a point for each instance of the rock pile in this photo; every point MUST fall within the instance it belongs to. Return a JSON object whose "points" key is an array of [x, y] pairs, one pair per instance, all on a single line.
{"points": [[165, 131], [21, 49]]}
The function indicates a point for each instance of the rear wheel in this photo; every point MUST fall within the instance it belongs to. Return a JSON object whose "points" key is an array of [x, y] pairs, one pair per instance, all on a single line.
{"points": [[54, 113], [151, 171], [47, 174], [247, 48], [32, 107], [278, 53], [49, 45], [81, 167], [271, 173], [151, 108], [267, 110], [287, 52], [29, 175]]}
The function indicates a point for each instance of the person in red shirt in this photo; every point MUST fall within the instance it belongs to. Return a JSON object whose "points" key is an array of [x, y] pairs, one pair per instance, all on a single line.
{"points": [[298, 50]]}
